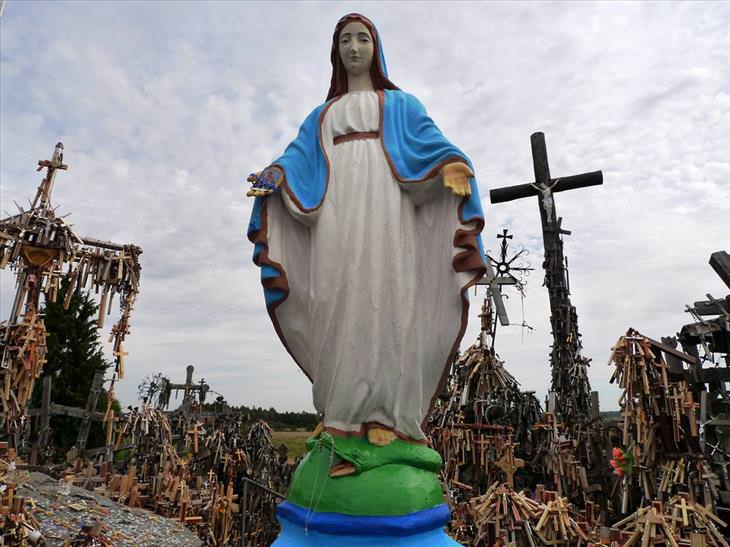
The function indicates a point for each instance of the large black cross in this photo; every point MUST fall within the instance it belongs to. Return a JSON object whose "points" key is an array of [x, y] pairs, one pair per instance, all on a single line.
{"points": [[572, 389]]}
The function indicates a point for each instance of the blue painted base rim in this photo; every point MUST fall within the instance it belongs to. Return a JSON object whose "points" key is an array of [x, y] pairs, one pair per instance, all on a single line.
{"points": [[374, 525]]}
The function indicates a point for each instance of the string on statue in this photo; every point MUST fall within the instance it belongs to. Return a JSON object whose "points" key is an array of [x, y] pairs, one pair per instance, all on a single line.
{"points": [[319, 490]]}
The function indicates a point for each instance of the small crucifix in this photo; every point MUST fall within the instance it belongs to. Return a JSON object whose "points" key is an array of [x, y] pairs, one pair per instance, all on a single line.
{"points": [[494, 291], [506, 274]]}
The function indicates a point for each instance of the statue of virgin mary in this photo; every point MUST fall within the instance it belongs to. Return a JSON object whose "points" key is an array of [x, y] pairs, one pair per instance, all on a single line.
{"points": [[366, 230]]}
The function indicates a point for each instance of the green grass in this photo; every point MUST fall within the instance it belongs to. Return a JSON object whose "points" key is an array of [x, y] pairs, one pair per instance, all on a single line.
{"points": [[294, 441]]}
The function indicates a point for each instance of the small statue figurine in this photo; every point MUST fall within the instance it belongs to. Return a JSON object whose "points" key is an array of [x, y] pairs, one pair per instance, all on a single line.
{"points": [[366, 231]]}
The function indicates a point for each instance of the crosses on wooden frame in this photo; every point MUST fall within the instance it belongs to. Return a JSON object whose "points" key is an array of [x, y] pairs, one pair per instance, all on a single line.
{"points": [[45, 251]]}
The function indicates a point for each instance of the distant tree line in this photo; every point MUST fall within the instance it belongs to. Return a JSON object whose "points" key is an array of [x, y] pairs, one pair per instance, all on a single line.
{"points": [[276, 420]]}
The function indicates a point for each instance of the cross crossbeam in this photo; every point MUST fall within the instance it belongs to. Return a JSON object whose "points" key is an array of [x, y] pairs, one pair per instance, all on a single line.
{"points": [[511, 193], [86, 415]]}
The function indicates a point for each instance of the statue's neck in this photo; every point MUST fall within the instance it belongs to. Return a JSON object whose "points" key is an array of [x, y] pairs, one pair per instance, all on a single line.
{"points": [[361, 82]]}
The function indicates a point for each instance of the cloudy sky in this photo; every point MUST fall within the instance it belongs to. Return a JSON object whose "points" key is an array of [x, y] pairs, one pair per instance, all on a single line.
{"points": [[165, 107]]}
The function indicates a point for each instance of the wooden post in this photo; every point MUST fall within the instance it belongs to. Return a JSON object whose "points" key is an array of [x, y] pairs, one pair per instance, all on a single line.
{"points": [[27, 432], [720, 262], [244, 508], [85, 427], [551, 402], [188, 381], [595, 405], [703, 418], [45, 428]]}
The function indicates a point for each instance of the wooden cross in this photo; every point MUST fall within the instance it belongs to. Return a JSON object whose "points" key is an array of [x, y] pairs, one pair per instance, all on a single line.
{"points": [[509, 464], [189, 389], [544, 186], [566, 340], [120, 354], [195, 431], [87, 414]]}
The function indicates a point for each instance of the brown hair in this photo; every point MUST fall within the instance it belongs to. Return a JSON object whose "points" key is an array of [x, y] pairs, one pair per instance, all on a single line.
{"points": [[338, 84]]}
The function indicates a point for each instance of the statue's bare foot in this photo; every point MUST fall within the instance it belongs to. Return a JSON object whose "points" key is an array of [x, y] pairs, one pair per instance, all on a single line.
{"points": [[342, 470], [380, 437]]}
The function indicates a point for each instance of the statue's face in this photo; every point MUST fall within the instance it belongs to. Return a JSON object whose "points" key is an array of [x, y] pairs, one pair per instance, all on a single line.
{"points": [[356, 48]]}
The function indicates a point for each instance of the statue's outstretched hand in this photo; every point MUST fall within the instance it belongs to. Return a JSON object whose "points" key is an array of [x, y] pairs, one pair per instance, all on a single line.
{"points": [[456, 178], [265, 182]]}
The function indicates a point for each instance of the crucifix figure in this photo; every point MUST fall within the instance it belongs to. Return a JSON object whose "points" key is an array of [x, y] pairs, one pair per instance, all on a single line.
{"points": [[546, 197], [45, 252], [569, 368]]}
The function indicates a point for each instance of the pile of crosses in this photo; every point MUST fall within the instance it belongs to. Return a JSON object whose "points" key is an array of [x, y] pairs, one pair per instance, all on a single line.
{"points": [[680, 521], [480, 410], [708, 340], [18, 526], [492, 437], [506, 517], [657, 476], [482, 415], [46, 253], [659, 434], [200, 467], [660, 429], [503, 516], [556, 459]]}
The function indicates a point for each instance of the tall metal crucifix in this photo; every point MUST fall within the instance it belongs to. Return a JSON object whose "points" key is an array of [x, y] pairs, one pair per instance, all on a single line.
{"points": [[569, 369]]}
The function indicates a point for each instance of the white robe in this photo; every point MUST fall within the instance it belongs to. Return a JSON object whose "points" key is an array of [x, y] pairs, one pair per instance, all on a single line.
{"points": [[374, 308]]}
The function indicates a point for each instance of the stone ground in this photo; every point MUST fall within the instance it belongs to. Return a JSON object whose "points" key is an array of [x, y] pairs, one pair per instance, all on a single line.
{"points": [[60, 517]]}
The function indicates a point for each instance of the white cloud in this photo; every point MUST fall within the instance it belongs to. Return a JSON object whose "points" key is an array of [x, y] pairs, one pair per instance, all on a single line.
{"points": [[164, 108]]}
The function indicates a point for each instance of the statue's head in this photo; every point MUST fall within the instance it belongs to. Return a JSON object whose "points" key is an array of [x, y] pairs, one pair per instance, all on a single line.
{"points": [[356, 48], [355, 44]]}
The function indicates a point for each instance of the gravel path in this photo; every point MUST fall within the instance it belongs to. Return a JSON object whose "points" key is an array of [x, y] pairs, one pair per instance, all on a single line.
{"points": [[60, 517]]}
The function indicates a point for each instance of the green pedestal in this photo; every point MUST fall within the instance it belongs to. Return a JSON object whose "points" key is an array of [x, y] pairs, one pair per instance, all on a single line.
{"points": [[396, 479]]}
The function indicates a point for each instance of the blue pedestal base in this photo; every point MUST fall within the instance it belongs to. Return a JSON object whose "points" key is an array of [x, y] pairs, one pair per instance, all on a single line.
{"points": [[301, 528]]}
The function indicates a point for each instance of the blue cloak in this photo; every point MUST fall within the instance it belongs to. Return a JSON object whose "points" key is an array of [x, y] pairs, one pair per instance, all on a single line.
{"points": [[416, 150]]}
